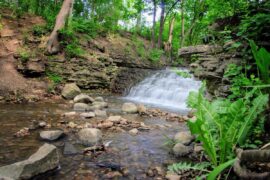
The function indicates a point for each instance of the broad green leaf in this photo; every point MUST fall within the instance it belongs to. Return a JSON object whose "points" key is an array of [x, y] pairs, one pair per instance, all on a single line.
{"points": [[216, 171]]}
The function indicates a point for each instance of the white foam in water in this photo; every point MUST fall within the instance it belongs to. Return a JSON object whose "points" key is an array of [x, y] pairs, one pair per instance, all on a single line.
{"points": [[164, 89]]}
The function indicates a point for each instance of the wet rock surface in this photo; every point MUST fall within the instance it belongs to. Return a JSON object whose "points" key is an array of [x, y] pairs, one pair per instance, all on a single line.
{"points": [[51, 135], [45, 159], [90, 136], [122, 154]]}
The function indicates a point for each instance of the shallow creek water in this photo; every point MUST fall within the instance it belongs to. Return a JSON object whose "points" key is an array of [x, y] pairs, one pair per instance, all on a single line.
{"points": [[135, 153]]}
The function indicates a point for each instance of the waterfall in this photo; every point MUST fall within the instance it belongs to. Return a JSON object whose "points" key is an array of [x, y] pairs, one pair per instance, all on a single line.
{"points": [[164, 89]]}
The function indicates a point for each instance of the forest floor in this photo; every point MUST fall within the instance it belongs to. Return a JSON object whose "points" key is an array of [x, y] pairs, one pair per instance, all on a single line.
{"points": [[11, 41]]}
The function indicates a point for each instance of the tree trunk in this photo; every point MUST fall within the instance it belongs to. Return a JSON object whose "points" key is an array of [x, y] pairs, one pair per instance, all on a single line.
{"points": [[182, 25], [168, 46], [139, 22], [161, 26], [53, 45], [154, 24]]}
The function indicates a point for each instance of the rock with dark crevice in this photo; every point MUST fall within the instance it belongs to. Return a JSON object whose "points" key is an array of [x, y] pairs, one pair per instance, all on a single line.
{"points": [[45, 159]]}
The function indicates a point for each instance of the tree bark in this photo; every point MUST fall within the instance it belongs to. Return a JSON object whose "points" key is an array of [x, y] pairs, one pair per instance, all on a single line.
{"points": [[53, 45], [168, 46], [161, 26], [154, 24], [182, 25]]}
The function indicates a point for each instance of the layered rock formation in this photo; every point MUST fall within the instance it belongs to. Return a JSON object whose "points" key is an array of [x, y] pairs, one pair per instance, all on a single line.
{"points": [[209, 62]]}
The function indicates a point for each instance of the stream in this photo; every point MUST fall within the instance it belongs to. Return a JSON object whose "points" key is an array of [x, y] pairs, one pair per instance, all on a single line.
{"points": [[132, 154]]}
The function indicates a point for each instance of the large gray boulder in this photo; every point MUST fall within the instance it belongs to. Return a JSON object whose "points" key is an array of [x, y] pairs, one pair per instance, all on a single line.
{"points": [[51, 135], [45, 159], [90, 136], [81, 107], [129, 108], [184, 137], [70, 91], [83, 98]]}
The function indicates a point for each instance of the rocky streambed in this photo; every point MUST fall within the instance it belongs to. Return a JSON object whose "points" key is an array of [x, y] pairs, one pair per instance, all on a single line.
{"points": [[110, 141]]}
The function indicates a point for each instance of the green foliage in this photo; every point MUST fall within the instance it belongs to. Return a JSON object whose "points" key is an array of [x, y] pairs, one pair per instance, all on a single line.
{"points": [[155, 55], [217, 170], [240, 83], [253, 26], [262, 57], [39, 30], [202, 167], [221, 125], [183, 74], [70, 43], [55, 78], [24, 54]]}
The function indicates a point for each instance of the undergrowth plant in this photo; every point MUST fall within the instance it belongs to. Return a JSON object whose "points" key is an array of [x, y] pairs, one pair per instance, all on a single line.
{"points": [[262, 58], [222, 125]]}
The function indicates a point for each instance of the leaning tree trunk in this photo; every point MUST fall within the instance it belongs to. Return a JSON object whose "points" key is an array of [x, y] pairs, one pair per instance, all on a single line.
{"points": [[161, 27], [154, 24], [53, 45]]}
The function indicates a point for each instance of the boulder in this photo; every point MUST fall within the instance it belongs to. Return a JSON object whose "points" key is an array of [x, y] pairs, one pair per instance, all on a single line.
{"points": [[184, 137], [100, 113], [129, 108], [70, 91], [181, 150], [83, 98], [90, 136], [99, 99], [101, 104], [81, 107], [88, 115], [45, 159], [51, 135]]}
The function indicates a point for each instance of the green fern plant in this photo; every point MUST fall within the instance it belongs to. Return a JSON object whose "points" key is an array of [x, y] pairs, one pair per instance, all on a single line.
{"points": [[182, 166], [262, 58], [221, 125]]}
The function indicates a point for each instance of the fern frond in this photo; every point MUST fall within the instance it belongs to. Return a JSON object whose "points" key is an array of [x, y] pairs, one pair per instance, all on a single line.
{"points": [[182, 166]]}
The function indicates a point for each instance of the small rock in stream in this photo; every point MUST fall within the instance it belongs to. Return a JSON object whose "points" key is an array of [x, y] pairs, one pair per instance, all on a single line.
{"points": [[184, 137], [100, 113], [70, 114], [42, 124], [129, 108], [90, 136], [88, 115], [99, 99], [134, 132], [83, 98], [180, 150], [51, 135], [81, 107]]}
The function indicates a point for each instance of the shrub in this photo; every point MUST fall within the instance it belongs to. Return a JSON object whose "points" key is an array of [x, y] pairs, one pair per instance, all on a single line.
{"points": [[155, 55]]}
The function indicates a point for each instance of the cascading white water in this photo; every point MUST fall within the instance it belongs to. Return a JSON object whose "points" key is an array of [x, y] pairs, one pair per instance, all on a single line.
{"points": [[164, 89]]}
